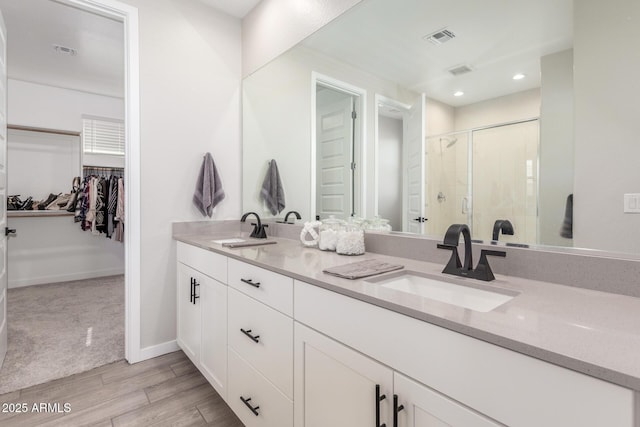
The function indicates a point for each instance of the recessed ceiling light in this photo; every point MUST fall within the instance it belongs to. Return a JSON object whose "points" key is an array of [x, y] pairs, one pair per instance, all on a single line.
{"points": [[519, 76], [458, 93]]}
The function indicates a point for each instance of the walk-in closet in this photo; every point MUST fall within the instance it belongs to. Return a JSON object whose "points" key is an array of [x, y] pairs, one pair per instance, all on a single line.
{"points": [[65, 192]]}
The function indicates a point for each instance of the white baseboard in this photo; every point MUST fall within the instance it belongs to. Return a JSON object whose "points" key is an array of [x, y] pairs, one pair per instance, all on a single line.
{"points": [[19, 283], [156, 350]]}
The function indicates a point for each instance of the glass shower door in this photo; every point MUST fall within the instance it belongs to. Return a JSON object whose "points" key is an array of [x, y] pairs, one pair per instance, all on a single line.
{"points": [[505, 180]]}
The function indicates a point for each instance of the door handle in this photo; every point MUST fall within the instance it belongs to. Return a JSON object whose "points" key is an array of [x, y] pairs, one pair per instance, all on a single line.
{"points": [[396, 409], [8, 231], [195, 297], [191, 295], [379, 398], [420, 219]]}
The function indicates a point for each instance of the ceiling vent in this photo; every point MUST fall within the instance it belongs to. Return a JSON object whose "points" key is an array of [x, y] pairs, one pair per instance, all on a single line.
{"points": [[64, 50], [440, 36], [460, 69]]}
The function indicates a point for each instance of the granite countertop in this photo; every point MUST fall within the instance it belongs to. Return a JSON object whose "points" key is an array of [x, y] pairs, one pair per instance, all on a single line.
{"points": [[592, 332]]}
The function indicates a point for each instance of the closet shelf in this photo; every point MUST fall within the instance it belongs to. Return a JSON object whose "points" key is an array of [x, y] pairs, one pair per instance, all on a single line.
{"points": [[34, 214]]}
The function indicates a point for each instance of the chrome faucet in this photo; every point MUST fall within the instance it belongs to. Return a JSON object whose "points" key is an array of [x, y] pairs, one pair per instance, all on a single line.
{"points": [[455, 267], [258, 229], [503, 225]]}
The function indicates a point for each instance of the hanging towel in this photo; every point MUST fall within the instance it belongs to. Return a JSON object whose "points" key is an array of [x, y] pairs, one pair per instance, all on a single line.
{"points": [[567, 225], [209, 190], [272, 192]]}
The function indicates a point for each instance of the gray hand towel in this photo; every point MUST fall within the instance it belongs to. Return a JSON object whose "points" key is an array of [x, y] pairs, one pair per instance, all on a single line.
{"points": [[209, 190], [272, 192]]}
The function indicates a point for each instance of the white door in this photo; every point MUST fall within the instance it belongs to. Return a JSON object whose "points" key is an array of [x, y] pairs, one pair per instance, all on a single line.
{"points": [[3, 190], [334, 149], [413, 183], [336, 386], [424, 407], [213, 360], [189, 321]]}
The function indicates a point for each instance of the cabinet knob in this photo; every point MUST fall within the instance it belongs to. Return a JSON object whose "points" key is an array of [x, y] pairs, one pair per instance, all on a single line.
{"points": [[252, 408]]}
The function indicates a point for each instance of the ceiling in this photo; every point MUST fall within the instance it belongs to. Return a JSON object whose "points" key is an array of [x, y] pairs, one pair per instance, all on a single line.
{"points": [[35, 26], [497, 38], [237, 8]]}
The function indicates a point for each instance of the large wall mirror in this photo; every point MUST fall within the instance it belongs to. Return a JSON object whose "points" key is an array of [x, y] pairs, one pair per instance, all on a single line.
{"points": [[429, 113]]}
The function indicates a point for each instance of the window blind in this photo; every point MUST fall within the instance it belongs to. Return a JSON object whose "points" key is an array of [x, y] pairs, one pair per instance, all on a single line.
{"points": [[103, 136]]}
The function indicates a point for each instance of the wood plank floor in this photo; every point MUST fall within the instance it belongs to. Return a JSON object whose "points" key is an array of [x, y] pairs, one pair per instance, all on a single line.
{"points": [[165, 391]]}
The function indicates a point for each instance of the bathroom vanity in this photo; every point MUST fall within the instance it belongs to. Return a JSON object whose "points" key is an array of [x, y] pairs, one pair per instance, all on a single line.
{"points": [[287, 345]]}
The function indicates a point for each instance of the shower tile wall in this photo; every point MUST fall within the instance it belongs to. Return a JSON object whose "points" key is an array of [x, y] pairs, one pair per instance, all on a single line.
{"points": [[496, 168]]}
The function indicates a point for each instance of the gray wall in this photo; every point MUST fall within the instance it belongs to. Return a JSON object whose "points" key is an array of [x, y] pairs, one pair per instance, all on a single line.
{"points": [[556, 145], [390, 168], [607, 123]]}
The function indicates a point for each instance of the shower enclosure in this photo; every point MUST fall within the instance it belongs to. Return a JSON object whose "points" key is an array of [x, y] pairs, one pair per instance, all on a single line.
{"points": [[481, 175]]}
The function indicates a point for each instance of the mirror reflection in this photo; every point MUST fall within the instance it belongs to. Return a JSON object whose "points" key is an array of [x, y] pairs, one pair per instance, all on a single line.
{"points": [[431, 113]]}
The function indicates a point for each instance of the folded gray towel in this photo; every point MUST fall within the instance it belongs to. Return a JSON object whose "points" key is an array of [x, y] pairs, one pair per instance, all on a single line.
{"points": [[209, 190], [358, 270], [272, 192]]}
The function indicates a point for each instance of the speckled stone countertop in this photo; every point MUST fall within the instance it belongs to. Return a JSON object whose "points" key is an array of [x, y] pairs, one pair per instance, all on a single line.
{"points": [[588, 331]]}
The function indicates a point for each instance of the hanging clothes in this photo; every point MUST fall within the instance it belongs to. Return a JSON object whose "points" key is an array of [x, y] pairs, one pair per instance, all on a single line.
{"points": [[99, 205]]}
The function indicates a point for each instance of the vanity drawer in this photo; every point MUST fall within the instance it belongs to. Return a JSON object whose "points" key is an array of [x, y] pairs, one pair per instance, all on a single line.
{"points": [[272, 354], [274, 408], [271, 288], [210, 263]]}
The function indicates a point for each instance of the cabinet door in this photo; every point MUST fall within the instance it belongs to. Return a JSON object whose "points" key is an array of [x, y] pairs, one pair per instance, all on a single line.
{"points": [[335, 385], [213, 356], [423, 407], [189, 327]]}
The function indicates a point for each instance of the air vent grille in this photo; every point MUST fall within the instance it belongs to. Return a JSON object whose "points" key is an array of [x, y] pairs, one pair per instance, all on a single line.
{"points": [[460, 69], [440, 36], [65, 50]]}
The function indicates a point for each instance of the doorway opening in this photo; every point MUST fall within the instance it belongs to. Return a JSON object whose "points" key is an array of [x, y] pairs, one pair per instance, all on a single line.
{"points": [[337, 149], [126, 16]]}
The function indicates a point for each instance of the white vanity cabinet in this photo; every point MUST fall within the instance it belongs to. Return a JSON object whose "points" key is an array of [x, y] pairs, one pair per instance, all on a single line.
{"points": [[338, 386], [260, 331], [202, 312], [465, 373]]}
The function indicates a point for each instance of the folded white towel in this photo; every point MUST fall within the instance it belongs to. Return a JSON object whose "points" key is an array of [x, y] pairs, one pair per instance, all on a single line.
{"points": [[209, 190], [272, 192]]}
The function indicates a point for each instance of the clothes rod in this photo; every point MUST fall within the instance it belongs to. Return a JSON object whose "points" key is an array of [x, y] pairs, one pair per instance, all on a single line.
{"points": [[43, 130], [103, 168]]}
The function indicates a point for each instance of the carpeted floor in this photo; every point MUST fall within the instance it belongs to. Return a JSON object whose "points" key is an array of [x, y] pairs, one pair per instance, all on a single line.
{"points": [[60, 329]]}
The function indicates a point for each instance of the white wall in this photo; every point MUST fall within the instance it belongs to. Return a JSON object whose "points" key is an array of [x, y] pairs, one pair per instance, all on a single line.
{"points": [[556, 145], [517, 106], [48, 250], [277, 123], [275, 26], [190, 70], [390, 164], [607, 125], [36, 105]]}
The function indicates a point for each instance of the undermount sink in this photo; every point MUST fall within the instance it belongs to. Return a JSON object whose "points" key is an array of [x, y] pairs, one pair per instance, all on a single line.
{"points": [[477, 297]]}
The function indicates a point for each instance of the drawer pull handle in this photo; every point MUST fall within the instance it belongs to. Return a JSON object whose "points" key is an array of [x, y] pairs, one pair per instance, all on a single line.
{"points": [[250, 406], [396, 409], [251, 282], [379, 398], [254, 338]]}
